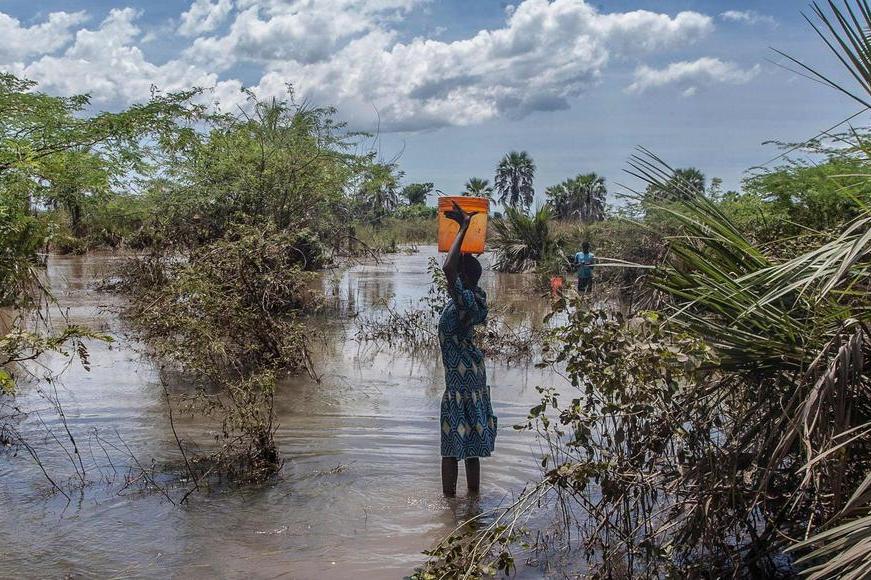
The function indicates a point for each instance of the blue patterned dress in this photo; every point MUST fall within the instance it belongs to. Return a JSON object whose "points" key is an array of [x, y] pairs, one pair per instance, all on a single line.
{"points": [[467, 422]]}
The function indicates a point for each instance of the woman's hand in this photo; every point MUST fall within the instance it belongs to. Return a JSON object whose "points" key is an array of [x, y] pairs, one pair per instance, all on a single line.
{"points": [[452, 262], [458, 215]]}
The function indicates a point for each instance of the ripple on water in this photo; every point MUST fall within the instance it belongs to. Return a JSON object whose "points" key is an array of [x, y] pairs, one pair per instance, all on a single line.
{"points": [[360, 491]]}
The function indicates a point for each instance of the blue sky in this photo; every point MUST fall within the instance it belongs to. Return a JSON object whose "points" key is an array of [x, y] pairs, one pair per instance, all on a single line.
{"points": [[457, 83]]}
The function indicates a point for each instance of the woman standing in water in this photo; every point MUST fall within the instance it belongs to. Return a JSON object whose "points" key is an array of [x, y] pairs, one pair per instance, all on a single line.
{"points": [[467, 421]]}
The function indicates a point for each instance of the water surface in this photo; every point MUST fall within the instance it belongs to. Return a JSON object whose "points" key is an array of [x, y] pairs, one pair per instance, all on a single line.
{"points": [[359, 495]]}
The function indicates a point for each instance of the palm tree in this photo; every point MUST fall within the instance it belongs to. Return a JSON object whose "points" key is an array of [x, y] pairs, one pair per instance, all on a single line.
{"points": [[514, 177], [843, 549], [477, 187], [520, 241], [416, 193], [794, 334], [379, 191], [682, 184], [579, 198]]}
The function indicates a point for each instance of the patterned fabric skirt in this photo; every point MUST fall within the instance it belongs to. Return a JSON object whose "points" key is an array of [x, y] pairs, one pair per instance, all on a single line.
{"points": [[468, 423]]}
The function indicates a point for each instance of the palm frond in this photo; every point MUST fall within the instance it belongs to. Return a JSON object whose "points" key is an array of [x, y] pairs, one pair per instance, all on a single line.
{"points": [[521, 241], [846, 33], [843, 552], [802, 323]]}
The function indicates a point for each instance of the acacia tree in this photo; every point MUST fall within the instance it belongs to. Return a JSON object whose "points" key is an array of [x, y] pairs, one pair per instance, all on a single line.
{"points": [[274, 160], [581, 197], [478, 187], [514, 177], [53, 152]]}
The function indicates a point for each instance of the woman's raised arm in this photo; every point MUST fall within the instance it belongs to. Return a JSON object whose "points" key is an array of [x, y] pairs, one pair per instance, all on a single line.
{"points": [[451, 266]]}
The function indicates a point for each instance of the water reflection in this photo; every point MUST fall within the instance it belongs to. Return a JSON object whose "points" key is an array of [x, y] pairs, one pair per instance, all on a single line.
{"points": [[359, 494]]}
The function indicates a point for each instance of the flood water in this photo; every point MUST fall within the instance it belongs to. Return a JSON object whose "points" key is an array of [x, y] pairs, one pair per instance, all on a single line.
{"points": [[358, 497]]}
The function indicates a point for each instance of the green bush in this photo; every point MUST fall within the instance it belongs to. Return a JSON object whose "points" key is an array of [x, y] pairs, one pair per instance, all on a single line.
{"points": [[521, 242], [229, 317]]}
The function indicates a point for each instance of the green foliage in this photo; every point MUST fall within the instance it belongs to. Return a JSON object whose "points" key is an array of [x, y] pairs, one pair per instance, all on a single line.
{"points": [[378, 193], [116, 221], [682, 184], [282, 162], [579, 198], [410, 225], [21, 236], [703, 438], [520, 241], [612, 451], [792, 337], [415, 212], [416, 193], [477, 187], [514, 177], [53, 153], [801, 199], [229, 317]]}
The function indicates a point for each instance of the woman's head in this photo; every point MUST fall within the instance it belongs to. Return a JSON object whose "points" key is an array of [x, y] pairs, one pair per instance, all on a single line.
{"points": [[585, 247], [470, 270]]}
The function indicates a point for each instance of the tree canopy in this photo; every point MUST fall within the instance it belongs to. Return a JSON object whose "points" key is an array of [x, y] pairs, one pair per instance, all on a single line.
{"points": [[579, 198], [416, 193], [478, 187], [514, 177]]}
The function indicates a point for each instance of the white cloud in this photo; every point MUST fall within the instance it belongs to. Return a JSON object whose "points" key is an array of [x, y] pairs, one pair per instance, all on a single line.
{"points": [[18, 42], [350, 54], [546, 53], [690, 74], [204, 16], [300, 30], [106, 63], [748, 17]]}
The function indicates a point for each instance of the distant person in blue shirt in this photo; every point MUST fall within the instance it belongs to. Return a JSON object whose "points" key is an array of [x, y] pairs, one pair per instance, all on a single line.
{"points": [[584, 261]]}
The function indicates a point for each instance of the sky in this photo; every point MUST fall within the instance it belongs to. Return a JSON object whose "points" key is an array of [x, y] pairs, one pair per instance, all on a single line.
{"points": [[449, 86]]}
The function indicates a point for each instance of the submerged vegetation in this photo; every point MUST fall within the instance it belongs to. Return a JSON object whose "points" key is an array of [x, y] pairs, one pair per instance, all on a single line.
{"points": [[725, 433], [228, 317], [415, 329], [718, 422]]}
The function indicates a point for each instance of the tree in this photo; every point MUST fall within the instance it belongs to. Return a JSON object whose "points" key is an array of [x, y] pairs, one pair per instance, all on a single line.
{"points": [[416, 193], [521, 241], [477, 187], [275, 160], [816, 195], [71, 179], [379, 191], [514, 177], [684, 183], [54, 152], [715, 189], [579, 198]]}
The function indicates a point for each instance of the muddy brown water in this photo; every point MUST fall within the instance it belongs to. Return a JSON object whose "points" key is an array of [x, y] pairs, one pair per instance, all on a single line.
{"points": [[358, 497]]}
